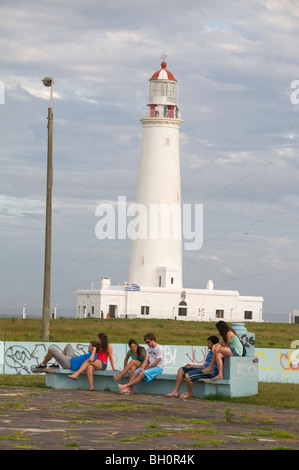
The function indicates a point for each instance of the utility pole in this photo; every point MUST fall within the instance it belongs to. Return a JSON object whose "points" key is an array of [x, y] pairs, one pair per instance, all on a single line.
{"points": [[48, 231]]}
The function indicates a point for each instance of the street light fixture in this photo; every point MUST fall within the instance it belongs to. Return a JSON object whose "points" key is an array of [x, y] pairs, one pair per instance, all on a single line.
{"points": [[48, 231]]}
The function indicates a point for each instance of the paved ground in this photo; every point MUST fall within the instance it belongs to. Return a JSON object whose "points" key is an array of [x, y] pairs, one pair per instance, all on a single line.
{"points": [[48, 419]]}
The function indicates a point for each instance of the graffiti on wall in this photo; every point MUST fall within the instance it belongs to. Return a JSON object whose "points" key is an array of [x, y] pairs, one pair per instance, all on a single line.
{"points": [[277, 362], [274, 365], [21, 359]]}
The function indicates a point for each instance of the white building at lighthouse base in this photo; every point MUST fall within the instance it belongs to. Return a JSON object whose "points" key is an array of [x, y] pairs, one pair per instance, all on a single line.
{"points": [[168, 303]]}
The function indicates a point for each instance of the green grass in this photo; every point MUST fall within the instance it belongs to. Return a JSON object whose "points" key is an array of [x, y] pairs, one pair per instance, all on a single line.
{"points": [[16, 436], [267, 335], [274, 433]]}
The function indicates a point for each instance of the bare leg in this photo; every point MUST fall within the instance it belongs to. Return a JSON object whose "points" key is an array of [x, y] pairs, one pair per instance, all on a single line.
{"points": [[127, 368], [223, 352], [135, 380], [79, 371], [178, 383], [48, 357], [132, 374], [89, 373], [189, 392]]}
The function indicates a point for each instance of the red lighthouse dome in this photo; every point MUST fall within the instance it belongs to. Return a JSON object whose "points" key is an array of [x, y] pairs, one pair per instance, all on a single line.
{"points": [[163, 74]]}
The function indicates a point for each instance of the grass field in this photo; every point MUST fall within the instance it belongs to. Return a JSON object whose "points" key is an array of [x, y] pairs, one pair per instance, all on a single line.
{"points": [[267, 335]]}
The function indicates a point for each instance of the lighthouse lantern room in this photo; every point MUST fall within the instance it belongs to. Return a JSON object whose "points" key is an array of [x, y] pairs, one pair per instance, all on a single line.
{"points": [[163, 94]]}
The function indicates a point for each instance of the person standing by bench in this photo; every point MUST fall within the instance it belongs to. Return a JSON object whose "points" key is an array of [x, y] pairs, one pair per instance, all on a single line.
{"points": [[137, 355], [191, 372], [67, 359], [230, 345], [152, 365]]}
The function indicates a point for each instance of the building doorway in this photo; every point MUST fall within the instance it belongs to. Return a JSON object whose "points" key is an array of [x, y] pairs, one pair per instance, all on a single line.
{"points": [[112, 311]]}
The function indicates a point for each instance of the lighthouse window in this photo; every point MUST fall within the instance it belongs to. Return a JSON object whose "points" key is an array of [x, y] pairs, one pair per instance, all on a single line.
{"points": [[161, 88]]}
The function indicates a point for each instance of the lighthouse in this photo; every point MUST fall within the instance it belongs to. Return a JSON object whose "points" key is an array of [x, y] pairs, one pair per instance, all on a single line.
{"points": [[156, 253], [157, 229]]}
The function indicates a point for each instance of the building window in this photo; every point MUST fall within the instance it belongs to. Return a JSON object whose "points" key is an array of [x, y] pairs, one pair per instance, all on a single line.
{"points": [[144, 310], [219, 313], [92, 310], [248, 315], [182, 309]]}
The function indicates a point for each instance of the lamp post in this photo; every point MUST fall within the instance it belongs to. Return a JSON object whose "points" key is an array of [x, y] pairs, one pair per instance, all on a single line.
{"points": [[48, 231]]}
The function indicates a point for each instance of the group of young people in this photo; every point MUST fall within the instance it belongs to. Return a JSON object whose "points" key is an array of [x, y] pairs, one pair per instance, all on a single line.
{"points": [[146, 364]]}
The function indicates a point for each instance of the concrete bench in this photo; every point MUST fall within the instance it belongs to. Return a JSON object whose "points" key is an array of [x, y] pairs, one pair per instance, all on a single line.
{"points": [[240, 379]]}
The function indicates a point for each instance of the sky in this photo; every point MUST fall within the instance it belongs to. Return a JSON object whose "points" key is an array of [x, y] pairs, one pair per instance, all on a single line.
{"points": [[236, 64]]}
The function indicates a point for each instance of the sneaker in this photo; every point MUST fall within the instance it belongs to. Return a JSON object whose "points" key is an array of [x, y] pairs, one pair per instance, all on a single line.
{"points": [[39, 368], [54, 366]]}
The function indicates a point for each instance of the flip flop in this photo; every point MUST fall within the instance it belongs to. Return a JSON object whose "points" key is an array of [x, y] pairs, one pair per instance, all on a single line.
{"points": [[185, 397]]}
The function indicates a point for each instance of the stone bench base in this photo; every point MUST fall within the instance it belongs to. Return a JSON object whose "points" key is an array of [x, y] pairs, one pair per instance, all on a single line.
{"points": [[240, 379]]}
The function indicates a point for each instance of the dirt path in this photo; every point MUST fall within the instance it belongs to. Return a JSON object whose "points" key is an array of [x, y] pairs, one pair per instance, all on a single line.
{"points": [[48, 419]]}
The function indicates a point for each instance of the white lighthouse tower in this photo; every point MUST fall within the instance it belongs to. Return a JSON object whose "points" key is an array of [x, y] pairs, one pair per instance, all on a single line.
{"points": [[154, 287], [156, 254]]}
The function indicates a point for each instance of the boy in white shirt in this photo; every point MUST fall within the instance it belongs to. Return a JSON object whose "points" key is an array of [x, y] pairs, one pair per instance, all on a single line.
{"points": [[152, 365]]}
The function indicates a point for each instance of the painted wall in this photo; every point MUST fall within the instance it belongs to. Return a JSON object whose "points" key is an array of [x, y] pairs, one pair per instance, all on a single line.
{"points": [[275, 365]]}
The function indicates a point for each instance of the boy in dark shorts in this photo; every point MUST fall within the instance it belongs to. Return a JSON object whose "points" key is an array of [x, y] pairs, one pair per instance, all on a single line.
{"points": [[191, 373]]}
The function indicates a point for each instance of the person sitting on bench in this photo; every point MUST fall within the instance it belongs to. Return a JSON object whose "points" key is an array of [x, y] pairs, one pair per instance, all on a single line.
{"points": [[230, 345], [151, 366], [191, 372], [67, 359]]}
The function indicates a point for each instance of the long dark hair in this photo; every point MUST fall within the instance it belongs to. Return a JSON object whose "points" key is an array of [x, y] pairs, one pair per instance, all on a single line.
{"points": [[223, 329], [139, 349], [103, 341]]}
